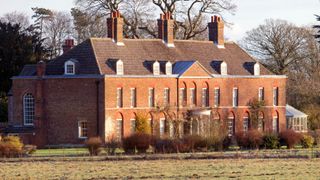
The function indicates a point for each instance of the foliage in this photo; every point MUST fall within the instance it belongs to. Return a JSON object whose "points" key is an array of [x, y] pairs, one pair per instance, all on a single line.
{"points": [[255, 108], [313, 112], [270, 141], [112, 145], [307, 141], [289, 138], [142, 124], [137, 141], [165, 145], [29, 149], [3, 108], [94, 145], [10, 146], [316, 137]]}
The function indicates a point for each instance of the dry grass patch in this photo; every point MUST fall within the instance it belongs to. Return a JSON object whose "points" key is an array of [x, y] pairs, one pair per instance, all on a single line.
{"points": [[165, 169]]}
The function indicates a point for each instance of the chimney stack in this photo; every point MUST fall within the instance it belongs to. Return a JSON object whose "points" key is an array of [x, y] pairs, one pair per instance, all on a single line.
{"points": [[115, 27], [165, 29], [41, 68], [68, 44], [216, 31]]}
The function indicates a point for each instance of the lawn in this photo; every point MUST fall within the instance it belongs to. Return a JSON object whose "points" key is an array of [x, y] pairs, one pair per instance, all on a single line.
{"points": [[164, 169]]}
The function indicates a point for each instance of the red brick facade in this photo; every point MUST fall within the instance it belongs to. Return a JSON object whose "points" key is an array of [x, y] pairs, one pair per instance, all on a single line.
{"points": [[90, 94]]}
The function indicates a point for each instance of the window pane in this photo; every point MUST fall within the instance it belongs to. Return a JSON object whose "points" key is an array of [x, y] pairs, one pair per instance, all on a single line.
{"points": [[192, 96], [205, 100], [133, 126], [235, 97], [182, 97], [151, 97], [28, 109], [162, 127], [133, 97], [119, 129], [216, 97], [166, 96], [83, 129], [119, 97]]}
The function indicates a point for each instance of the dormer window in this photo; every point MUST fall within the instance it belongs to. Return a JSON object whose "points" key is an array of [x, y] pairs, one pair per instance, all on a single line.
{"points": [[223, 68], [256, 69], [119, 67], [156, 68], [69, 68], [168, 68]]}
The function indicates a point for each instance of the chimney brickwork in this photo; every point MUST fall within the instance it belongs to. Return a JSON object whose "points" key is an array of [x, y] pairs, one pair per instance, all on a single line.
{"points": [[68, 44], [165, 29], [216, 31], [115, 27]]}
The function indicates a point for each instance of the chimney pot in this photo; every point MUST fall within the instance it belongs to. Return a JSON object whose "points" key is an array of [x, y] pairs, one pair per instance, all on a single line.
{"points": [[216, 31]]}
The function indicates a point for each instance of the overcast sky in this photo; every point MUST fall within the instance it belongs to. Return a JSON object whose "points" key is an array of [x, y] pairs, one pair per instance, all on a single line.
{"points": [[249, 14]]}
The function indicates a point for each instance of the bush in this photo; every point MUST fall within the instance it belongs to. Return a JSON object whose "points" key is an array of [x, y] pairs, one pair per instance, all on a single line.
{"points": [[29, 149], [242, 139], [255, 139], [11, 146], [307, 141], [142, 124], [112, 145], [289, 138], [316, 137], [137, 141], [166, 145], [270, 141], [193, 142], [94, 145]]}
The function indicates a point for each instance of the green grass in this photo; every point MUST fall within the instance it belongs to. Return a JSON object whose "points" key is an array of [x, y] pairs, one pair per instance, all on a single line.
{"points": [[61, 152], [164, 169]]}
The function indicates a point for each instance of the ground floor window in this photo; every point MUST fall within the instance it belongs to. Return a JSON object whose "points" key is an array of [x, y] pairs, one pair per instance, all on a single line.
{"points": [[133, 125], [83, 129], [275, 124], [119, 129], [162, 126], [230, 126], [298, 124]]}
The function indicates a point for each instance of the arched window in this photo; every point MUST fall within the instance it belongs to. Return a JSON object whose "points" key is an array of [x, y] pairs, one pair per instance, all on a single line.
{"points": [[69, 68], [168, 68], [119, 127], [156, 68], [223, 68], [119, 67], [231, 124], [246, 122], [256, 69], [28, 109]]}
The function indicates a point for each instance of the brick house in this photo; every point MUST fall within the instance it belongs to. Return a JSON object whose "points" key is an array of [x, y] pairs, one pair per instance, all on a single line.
{"points": [[97, 87]]}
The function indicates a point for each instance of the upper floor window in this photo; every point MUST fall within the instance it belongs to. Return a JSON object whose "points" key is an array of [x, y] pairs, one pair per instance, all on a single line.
{"points": [[261, 94], [235, 95], [168, 68], [69, 68], [119, 67], [223, 68], [193, 97], [119, 97], [275, 96], [151, 97], [216, 97], [156, 68], [133, 97], [205, 97], [83, 129], [28, 109], [166, 96], [256, 69]]}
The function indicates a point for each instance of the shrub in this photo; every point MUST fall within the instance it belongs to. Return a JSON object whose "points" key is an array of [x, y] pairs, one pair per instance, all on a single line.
{"points": [[142, 124], [316, 136], [290, 138], [166, 145], [255, 138], [112, 145], [29, 149], [193, 142], [307, 141], [242, 139], [137, 141], [11, 146], [94, 145], [270, 141]]}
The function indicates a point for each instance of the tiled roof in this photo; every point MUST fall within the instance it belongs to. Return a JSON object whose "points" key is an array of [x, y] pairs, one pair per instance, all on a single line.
{"points": [[29, 70], [97, 56]]}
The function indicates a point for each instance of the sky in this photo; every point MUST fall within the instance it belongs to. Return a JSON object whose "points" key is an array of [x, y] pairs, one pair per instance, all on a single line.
{"points": [[249, 14]]}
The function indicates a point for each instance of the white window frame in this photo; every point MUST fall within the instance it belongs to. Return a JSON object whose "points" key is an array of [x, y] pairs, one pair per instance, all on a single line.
{"points": [[28, 109], [119, 130], [261, 94], [216, 97], [120, 69], [166, 96], [81, 129], [193, 94], [182, 97], [168, 68], [133, 97], [119, 97], [151, 94], [275, 124], [69, 63], [235, 97], [275, 96], [231, 126], [133, 126], [156, 68], [246, 124], [223, 68], [256, 69], [162, 126], [205, 97]]}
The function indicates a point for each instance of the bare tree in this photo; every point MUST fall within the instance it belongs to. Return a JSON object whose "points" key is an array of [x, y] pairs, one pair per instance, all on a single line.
{"points": [[16, 18], [55, 30], [189, 15], [277, 44]]}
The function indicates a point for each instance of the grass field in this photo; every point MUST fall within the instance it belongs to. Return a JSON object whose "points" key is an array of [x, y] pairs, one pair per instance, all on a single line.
{"points": [[165, 169]]}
